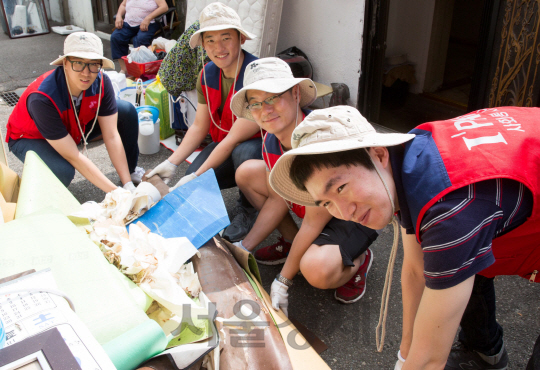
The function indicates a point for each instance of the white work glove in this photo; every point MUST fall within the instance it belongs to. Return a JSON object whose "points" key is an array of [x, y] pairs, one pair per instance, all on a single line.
{"points": [[400, 361], [165, 170], [129, 186], [145, 188], [184, 180], [239, 244], [279, 296]]}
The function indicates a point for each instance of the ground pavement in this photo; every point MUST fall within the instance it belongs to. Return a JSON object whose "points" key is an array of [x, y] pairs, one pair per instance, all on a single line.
{"points": [[347, 330]]}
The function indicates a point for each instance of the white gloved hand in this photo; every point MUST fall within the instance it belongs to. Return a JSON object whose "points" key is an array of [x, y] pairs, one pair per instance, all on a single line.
{"points": [[145, 188], [165, 170], [400, 361], [279, 296], [184, 180], [240, 245], [129, 186]]}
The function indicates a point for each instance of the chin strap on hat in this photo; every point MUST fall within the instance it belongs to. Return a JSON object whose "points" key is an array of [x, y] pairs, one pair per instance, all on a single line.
{"points": [[84, 139], [379, 339], [233, 86]]}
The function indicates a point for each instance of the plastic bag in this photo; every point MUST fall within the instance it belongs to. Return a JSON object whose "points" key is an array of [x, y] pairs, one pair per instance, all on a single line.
{"points": [[157, 96], [169, 45], [118, 80], [141, 55], [160, 42]]}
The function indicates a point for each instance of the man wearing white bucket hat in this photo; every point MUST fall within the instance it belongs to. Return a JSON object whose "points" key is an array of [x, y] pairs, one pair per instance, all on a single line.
{"points": [[331, 253], [221, 35], [467, 212], [60, 109]]}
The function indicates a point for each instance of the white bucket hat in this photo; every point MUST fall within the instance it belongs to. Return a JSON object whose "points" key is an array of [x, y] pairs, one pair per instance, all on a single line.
{"points": [[84, 45], [271, 75], [330, 130], [215, 17]]}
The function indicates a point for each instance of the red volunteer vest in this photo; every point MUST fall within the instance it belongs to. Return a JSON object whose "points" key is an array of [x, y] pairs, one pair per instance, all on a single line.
{"points": [[211, 89], [53, 85], [271, 151], [491, 143]]}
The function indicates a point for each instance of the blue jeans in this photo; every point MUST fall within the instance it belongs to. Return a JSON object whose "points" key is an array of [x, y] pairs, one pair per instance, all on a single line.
{"points": [[480, 330], [250, 149], [121, 38], [534, 361], [128, 128]]}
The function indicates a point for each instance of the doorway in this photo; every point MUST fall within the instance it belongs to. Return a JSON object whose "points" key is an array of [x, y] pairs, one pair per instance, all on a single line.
{"points": [[429, 61], [104, 11]]}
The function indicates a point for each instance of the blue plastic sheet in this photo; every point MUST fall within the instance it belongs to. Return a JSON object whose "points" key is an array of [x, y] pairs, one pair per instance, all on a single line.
{"points": [[195, 210]]}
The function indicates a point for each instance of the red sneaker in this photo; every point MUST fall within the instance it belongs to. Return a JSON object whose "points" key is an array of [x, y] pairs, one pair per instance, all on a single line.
{"points": [[273, 254], [355, 288]]}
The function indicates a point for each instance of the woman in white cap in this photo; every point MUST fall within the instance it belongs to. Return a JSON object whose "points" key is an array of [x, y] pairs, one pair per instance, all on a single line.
{"points": [[467, 213], [221, 35], [60, 109]]}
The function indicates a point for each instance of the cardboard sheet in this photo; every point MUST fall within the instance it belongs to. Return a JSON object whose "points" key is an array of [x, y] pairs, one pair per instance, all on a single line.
{"points": [[195, 210], [48, 239], [9, 183], [7, 210], [3, 156], [303, 355], [41, 189]]}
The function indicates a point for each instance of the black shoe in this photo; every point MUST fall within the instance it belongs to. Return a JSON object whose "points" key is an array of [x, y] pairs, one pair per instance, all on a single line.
{"points": [[462, 358], [241, 224]]}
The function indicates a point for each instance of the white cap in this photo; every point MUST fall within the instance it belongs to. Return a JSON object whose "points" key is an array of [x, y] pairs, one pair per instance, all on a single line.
{"points": [[215, 17], [330, 130], [83, 45], [271, 75]]}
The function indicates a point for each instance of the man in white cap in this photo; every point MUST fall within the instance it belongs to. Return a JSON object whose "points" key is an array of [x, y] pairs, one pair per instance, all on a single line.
{"points": [[331, 253], [60, 109], [222, 36], [467, 213]]}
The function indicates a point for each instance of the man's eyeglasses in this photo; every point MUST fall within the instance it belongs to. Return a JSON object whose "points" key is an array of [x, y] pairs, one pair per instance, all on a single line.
{"points": [[79, 66], [270, 101]]}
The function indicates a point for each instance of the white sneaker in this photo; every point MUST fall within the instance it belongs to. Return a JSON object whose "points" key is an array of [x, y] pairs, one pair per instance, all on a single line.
{"points": [[137, 175]]}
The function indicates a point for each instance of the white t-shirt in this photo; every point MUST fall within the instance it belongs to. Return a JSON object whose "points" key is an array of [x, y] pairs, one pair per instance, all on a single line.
{"points": [[137, 10]]}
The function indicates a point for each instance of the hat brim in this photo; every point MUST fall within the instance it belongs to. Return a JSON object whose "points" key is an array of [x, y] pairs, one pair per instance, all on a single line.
{"points": [[107, 63], [279, 176], [308, 93], [196, 38]]}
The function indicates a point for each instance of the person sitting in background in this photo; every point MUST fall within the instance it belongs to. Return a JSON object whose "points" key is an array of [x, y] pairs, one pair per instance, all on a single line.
{"points": [[135, 24], [60, 109], [222, 36], [331, 253]]}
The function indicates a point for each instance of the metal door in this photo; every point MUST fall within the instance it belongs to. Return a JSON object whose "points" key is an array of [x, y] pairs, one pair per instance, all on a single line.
{"points": [[104, 11], [508, 71], [373, 50]]}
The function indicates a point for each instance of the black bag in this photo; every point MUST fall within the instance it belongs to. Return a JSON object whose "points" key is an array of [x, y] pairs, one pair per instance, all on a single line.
{"points": [[298, 61]]}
